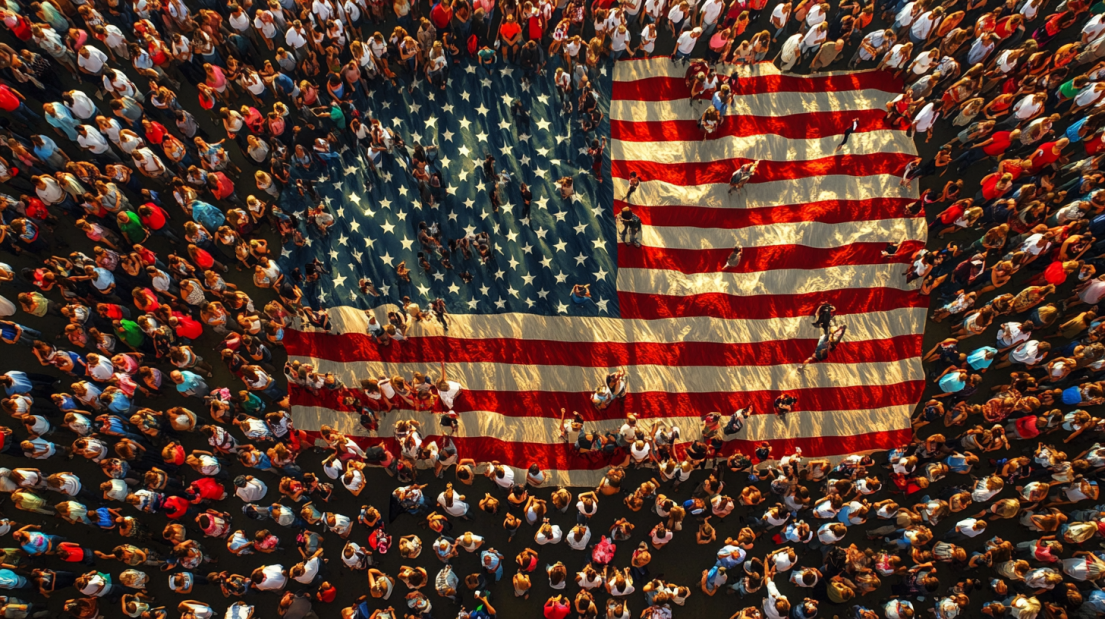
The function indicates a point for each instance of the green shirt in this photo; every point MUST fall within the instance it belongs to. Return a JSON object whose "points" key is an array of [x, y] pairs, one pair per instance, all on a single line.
{"points": [[1068, 90], [253, 405], [132, 228], [337, 117], [131, 333]]}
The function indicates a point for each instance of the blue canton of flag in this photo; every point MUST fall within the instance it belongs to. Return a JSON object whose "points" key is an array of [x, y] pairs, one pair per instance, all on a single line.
{"points": [[536, 260]]}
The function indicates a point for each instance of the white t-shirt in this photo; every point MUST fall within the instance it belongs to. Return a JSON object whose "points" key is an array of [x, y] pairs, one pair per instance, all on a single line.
{"points": [[711, 10], [581, 543], [253, 491], [95, 61], [274, 578], [618, 40], [686, 42]]}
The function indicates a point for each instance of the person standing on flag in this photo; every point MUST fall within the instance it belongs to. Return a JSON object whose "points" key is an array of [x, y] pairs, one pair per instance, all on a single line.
{"points": [[825, 345], [631, 227], [825, 312], [847, 134], [742, 175]]}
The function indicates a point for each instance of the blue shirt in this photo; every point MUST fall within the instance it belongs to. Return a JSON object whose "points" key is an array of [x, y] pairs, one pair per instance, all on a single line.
{"points": [[120, 404], [957, 464], [718, 105], [192, 383], [952, 382], [20, 383], [977, 359], [104, 519], [48, 148], [11, 580], [284, 83], [207, 215]]}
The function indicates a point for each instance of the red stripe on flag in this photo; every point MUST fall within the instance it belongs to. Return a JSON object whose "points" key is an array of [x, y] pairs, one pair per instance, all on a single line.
{"points": [[719, 171], [808, 126], [359, 348], [824, 211], [564, 457], [757, 259], [653, 404], [673, 88], [718, 305]]}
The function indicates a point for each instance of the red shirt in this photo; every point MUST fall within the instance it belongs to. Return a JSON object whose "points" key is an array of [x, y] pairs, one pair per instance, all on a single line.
{"points": [[156, 132], [952, 213], [1047, 157], [1051, 26], [175, 507], [327, 595], [1009, 166], [255, 121], [113, 312], [187, 327], [441, 16], [208, 488], [1005, 27], [1026, 427], [157, 54], [224, 188], [509, 30], [555, 609], [70, 552], [148, 257], [1054, 273], [203, 259], [178, 456], [157, 218], [36, 209], [22, 28], [8, 101], [999, 145], [535, 29], [989, 187]]}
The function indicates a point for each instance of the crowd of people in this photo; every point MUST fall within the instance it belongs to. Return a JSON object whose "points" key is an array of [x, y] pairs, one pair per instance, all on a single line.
{"points": [[141, 124]]}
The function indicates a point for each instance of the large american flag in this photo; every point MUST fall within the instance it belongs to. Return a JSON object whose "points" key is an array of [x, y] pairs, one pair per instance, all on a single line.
{"points": [[692, 336]]}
